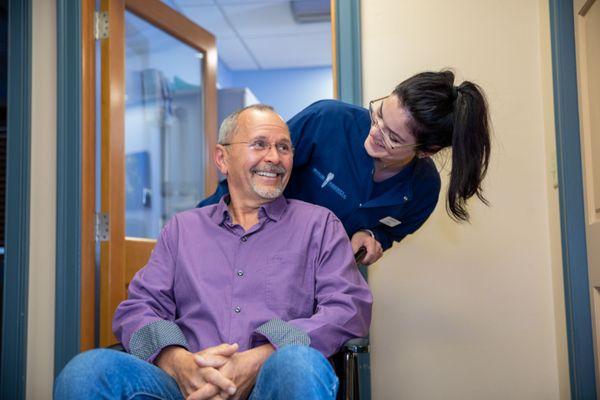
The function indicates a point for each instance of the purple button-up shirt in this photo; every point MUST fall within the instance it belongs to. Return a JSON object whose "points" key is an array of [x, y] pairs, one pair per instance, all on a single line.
{"points": [[291, 278]]}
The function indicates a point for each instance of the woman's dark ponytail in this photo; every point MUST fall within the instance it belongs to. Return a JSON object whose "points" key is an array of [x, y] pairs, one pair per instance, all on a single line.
{"points": [[470, 149], [444, 115]]}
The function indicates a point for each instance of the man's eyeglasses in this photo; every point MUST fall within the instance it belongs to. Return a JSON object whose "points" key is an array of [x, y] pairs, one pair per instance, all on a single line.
{"points": [[389, 140], [262, 146]]}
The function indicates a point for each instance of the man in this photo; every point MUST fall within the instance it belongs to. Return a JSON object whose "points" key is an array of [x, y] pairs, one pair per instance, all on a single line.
{"points": [[274, 277]]}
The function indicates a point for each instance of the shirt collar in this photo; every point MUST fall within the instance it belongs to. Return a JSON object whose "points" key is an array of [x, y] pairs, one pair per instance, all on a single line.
{"points": [[220, 213], [273, 209]]}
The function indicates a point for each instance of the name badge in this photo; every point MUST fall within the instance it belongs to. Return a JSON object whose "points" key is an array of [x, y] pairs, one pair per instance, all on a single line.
{"points": [[389, 221]]}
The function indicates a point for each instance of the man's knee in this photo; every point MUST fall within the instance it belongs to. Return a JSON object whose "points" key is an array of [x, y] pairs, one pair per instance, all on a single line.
{"points": [[298, 362], [88, 363], [110, 374], [89, 369], [295, 372]]}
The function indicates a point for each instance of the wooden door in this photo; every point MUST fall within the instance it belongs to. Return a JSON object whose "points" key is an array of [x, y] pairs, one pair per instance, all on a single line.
{"points": [[158, 124], [587, 23]]}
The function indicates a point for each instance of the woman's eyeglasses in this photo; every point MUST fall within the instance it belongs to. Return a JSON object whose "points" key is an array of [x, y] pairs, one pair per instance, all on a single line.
{"points": [[388, 140]]}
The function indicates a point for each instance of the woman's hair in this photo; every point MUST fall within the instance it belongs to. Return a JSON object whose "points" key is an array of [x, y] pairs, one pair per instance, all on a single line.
{"points": [[444, 115]]}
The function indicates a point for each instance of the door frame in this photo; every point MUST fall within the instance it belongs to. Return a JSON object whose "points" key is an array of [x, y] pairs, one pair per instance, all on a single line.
{"points": [[347, 60], [68, 182], [13, 367], [572, 214]]}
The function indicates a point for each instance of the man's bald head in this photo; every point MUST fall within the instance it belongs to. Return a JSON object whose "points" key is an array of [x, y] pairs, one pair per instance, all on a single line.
{"points": [[229, 126]]}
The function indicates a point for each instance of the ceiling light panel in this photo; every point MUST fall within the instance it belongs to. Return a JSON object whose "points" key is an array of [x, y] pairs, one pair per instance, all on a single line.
{"points": [[272, 19], [311, 50]]}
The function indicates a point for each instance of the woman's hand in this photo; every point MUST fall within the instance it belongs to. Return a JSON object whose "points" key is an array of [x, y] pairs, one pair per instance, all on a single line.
{"points": [[374, 249]]}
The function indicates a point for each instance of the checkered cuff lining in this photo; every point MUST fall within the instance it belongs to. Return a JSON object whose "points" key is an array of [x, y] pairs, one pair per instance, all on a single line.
{"points": [[150, 339], [281, 333]]}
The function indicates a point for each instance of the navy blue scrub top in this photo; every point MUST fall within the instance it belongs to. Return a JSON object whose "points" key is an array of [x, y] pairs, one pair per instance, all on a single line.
{"points": [[332, 169]]}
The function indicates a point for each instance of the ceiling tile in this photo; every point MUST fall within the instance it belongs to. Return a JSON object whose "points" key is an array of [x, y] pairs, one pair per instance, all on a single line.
{"points": [[209, 18], [234, 54], [294, 51], [273, 18], [278, 43]]}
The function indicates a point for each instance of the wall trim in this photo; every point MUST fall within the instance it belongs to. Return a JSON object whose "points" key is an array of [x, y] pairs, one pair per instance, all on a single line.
{"points": [[68, 183], [572, 213], [348, 76], [13, 367], [348, 48]]}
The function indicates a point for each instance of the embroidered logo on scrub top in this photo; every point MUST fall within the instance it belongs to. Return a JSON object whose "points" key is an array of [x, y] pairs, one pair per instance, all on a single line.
{"points": [[389, 221], [327, 182]]}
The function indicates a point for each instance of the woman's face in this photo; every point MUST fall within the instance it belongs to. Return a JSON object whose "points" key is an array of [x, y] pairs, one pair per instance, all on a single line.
{"points": [[390, 139]]}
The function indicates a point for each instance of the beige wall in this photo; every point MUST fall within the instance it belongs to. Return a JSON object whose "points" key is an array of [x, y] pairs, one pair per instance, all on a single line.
{"points": [[474, 311], [40, 324]]}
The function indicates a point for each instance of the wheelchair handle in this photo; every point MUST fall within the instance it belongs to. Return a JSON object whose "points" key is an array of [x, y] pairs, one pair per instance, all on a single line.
{"points": [[360, 254]]}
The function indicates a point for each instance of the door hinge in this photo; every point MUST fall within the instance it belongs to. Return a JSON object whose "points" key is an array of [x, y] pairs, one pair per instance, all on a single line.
{"points": [[101, 227], [101, 25]]}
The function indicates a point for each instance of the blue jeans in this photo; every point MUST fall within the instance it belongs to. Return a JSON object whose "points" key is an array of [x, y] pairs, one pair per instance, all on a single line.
{"points": [[292, 372]]}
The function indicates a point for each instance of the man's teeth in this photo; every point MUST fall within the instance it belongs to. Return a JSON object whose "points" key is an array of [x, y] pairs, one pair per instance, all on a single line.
{"points": [[267, 174]]}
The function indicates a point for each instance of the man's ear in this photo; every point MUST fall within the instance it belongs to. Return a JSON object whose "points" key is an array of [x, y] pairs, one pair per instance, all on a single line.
{"points": [[220, 155]]}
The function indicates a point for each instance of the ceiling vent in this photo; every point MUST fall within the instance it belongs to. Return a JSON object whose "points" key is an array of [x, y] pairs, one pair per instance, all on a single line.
{"points": [[308, 11]]}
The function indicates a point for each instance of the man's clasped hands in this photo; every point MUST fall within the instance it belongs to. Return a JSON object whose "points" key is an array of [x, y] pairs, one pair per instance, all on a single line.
{"points": [[215, 373]]}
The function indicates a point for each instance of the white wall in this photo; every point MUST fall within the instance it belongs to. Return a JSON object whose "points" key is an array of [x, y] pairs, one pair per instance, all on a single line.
{"points": [[276, 86], [474, 311], [40, 319]]}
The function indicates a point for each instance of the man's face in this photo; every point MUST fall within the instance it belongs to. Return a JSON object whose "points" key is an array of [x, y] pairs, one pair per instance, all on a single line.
{"points": [[256, 162]]}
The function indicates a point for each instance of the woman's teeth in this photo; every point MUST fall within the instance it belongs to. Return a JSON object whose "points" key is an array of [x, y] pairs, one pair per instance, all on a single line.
{"points": [[378, 144]]}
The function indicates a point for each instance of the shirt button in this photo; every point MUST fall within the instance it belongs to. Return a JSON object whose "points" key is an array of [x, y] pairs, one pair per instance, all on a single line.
{"points": [[240, 273], [238, 310], [244, 238]]}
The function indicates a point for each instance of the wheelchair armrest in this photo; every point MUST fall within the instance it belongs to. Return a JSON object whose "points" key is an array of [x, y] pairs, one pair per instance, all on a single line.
{"points": [[346, 365], [116, 346], [357, 345]]}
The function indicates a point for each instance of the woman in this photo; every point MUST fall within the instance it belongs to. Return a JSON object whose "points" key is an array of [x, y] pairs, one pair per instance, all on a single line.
{"points": [[373, 169]]}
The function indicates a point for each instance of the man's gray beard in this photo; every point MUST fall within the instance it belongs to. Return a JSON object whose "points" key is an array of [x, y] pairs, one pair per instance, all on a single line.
{"points": [[267, 193]]}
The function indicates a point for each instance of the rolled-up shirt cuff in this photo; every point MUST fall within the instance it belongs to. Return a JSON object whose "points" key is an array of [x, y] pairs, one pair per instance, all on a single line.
{"points": [[280, 333], [149, 340]]}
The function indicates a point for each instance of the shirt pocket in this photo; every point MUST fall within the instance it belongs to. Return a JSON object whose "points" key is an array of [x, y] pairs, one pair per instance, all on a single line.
{"points": [[289, 284]]}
